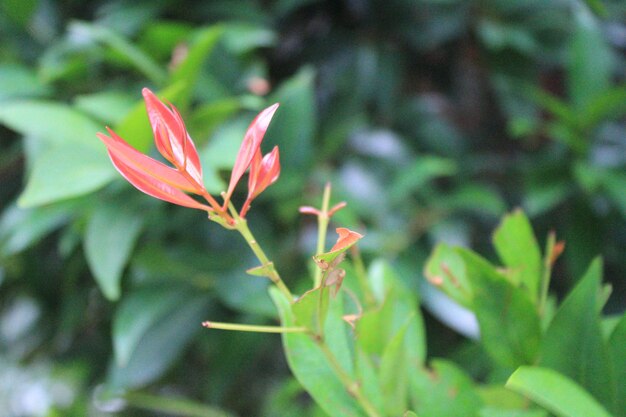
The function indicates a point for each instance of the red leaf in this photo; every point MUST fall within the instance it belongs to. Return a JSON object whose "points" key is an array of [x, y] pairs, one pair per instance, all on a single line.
{"points": [[263, 173], [135, 160], [171, 137], [249, 147], [346, 239], [155, 188]]}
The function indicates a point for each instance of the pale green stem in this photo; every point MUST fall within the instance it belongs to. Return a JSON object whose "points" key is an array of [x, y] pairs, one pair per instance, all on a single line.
{"points": [[242, 226], [547, 270], [322, 228], [252, 327], [352, 386]]}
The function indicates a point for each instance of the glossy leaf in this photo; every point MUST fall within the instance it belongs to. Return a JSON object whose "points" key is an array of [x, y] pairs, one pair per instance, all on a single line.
{"points": [[517, 247], [48, 181], [508, 319], [109, 239], [310, 367], [616, 344], [554, 391], [573, 344], [250, 146], [56, 123]]}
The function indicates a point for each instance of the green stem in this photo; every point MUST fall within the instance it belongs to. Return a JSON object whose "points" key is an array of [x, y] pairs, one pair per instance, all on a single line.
{"points": [[352, 386], [242, 226], [252, 327], [547, 270], [322, 228]]}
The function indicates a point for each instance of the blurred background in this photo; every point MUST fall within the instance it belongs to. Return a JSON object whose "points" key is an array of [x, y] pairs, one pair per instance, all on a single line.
{"points": [[431, 118]]}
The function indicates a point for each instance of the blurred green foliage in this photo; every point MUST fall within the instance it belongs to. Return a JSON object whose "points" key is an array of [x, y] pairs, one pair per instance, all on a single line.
{"points": [[432, 118]]}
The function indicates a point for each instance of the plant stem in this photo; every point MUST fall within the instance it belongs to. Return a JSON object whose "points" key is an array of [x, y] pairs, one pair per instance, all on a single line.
{"points": [[322, 228], [252, 327], [351, 386], [547, 270], [242, 226]]}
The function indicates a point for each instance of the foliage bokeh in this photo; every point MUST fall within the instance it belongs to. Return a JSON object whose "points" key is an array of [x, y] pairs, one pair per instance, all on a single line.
{"points": [[431, 118]]}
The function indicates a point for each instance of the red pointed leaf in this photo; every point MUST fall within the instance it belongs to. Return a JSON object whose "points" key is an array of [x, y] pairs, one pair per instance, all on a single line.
{"points": [[249, 147], [264, 174], [171, 137], [153, 187], [137, 161]]}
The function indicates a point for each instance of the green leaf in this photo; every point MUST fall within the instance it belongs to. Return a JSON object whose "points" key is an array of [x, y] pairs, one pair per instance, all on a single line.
{"points": [[187, 72], [108, 106], [137, 313], [393, 381], [311, 309], [497, 412], [573, 344], [422, 170], [517, 247], [135, 126], [591, 60], [65, 171], [21, 228], [122, 46], [161, 344], [53, 123], [368, 378], [616, 344], [241, 38], [555, 392], [109, 239], [445, 269], [293, 126], [443, 391], [310, 366], [18, 81], [509, 324]]}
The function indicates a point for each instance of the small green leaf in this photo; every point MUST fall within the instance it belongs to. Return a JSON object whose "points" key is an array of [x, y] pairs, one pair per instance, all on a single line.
{"points": [[555, 392], [409, 414], [517, 247], [311, 309], [446, 270], [109, 239], [573, 344], [65, 171]]}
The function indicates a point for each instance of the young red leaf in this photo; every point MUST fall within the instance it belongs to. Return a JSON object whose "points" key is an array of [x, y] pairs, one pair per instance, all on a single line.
{"points": [[128, 156], [152, 186], [249, 147], [171, 137]]}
